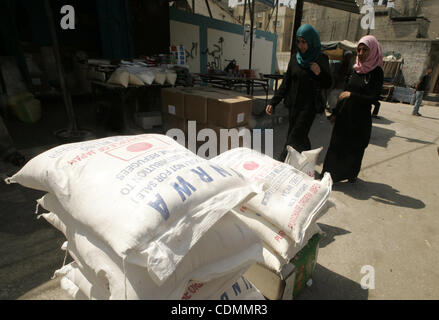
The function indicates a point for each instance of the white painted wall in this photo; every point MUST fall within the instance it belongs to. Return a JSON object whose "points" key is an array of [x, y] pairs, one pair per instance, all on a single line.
{"points": [[234, 48], [186, 34]]}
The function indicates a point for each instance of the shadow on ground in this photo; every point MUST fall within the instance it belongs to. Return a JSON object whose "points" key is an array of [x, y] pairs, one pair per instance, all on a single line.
{"points": [[382, 120], [430, 118], [330, 234], [328, 285], [383, 193], [381, 136], [30, 247], [414, 140]]}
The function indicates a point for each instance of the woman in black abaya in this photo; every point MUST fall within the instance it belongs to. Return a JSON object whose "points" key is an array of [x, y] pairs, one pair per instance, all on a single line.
{"points": [[307, 73], [352, 116]]}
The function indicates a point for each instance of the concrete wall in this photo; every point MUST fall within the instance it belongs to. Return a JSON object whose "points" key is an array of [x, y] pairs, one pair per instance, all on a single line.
{"points": [[434, 63], [416, 54], [210, 42], [332, 24], [217, 11], [430, 10], [406, 7], [284, 27], [187, 35], [389, 29]]}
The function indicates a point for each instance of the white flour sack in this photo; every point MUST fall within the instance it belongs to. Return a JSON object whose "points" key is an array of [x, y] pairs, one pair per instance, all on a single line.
{"points": [[272, 260], [78, 285], [292, 200], [72, 289], [146, 196], [305, 161], [271, 235], [229, 248]]}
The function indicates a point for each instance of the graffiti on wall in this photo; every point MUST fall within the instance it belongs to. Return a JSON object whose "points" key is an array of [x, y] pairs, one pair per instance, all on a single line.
{"points": [[193, 53], [214, 56]]}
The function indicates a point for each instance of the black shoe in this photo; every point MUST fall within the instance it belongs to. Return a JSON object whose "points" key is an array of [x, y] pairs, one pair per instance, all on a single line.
{"points": [[375, 117]]}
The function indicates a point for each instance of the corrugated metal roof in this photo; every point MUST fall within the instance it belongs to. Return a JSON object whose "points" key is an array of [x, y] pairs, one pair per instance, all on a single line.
{"points": [[346, 5]]}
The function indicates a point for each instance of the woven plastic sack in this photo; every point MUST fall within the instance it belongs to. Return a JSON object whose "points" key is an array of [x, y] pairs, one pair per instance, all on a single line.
{"points": [[273, 236], [146, 197], [227, 248], [292, 200], [120, 77], [305, 161]]}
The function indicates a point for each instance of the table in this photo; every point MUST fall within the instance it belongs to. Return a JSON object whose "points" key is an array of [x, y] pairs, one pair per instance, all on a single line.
{"points": [[275, 77], [128, 98], [232, 83]]}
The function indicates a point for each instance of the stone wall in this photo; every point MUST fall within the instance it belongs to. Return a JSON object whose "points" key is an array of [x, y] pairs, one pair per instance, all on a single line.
{"points": [[416, 54], [430, 10], [390, 29]]}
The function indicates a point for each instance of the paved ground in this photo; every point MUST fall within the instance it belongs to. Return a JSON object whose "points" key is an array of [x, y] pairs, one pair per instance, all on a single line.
{"points": [[388, 220]]}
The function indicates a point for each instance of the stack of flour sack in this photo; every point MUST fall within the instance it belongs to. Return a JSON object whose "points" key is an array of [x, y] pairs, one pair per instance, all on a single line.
{"points": [[145, 218], [284, 216]]}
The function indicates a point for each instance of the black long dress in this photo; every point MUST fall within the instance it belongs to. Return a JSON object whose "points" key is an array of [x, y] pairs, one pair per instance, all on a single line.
{"points": [[299, 90], [353, 125]]}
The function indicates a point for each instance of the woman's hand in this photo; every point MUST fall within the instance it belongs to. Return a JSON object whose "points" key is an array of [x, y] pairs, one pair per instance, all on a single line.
{"points": [[269, 109], [315, 68], [344, 95]]}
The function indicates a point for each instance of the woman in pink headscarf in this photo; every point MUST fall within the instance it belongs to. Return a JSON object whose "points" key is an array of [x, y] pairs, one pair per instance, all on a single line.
{"points": [[352, 116]]}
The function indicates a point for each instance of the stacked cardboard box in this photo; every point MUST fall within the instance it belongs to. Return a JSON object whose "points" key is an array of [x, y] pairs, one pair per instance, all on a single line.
{"points": [[210, 109], [173, 109], [291, 281]]}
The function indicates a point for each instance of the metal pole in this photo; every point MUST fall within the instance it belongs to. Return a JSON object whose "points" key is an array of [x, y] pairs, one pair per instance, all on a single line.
{"points": [[252, 18], [349, 23], [66, 94], [245, 11], [297, 22], [271, 14], [275, 21], [208, 8], [193, 6]]}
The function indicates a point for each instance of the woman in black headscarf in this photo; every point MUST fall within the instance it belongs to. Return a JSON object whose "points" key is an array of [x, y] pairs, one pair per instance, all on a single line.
{"points": [[308, 72]]}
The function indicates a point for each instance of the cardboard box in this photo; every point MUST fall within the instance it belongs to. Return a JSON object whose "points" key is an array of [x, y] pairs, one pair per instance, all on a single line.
{"points": [[293, 278], [228, 111], [272, 285], [195, 106], [266, 281], [173, 102], [173, 122], [148, 120], [305, 262], [225, 108]]}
